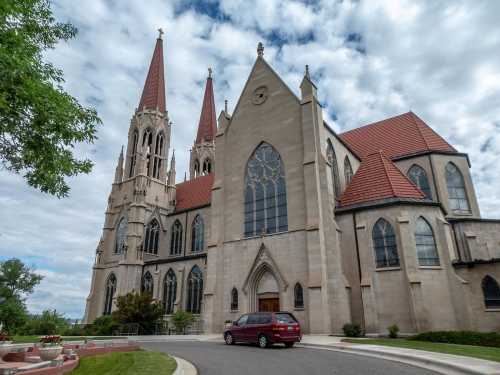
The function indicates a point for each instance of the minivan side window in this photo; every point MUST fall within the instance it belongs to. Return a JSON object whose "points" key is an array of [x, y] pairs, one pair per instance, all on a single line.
{"points": [[285, 319], [265, 318], [253, 319], [243, 320]]}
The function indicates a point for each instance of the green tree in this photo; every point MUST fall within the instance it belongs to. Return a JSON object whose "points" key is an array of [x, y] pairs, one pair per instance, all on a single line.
{"points": [[138, 308], [49, 322], [16, 282], [40, 123]]}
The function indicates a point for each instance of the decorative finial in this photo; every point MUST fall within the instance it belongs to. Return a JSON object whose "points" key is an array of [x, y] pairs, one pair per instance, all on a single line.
{"points": [[209, 72], [225, 106], [260, 49], [160, 33], [307, 71]]}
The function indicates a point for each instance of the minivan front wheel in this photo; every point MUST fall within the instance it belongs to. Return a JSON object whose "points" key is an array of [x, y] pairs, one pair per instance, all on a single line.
{"points": [[229, 339], [263, 341]]}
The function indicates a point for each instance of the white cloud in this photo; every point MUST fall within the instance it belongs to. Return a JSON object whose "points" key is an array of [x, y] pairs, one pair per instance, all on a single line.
{"points": [[369, 59]]}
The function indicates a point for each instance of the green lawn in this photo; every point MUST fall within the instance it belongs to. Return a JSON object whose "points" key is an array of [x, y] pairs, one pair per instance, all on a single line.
{"points": [[31, 339], [482, 352], [129, 363]]}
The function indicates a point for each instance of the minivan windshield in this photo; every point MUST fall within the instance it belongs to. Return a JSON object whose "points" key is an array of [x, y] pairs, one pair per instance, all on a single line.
{"points": [[285, 318]]}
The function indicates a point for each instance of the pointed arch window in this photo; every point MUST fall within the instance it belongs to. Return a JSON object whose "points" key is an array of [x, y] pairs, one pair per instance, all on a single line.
{"points": [[347, 171], [196, 168], [169, 291], [332, 160], [151, 237], [110, 294], [176, 239], [147, 283], [298, 294], [197, 234], [121, 235], [457, 195], [491, 292], [418, 176], [147, 145], [384, 244], [234, 299], [426, 244], [133, 154], [265, 193], [194, 290], [207, 167], [158, 156]]}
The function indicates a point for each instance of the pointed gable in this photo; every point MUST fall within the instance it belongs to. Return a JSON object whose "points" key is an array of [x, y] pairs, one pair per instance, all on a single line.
{"points": [[397, 136], [194, 193], [153, 94], [378, 178], [207, 127]]}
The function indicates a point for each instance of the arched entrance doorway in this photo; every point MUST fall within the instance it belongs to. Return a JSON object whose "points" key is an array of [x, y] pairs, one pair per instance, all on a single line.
{"points": [[268, 297]]}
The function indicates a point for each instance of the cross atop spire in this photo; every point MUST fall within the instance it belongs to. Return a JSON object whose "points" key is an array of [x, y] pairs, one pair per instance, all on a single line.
{"points": [[260, 49], [160, 33], [207, 127], [153, 94]]}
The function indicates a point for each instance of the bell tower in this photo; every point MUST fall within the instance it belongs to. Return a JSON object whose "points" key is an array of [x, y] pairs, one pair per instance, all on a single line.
{"points": [[203, 151]]}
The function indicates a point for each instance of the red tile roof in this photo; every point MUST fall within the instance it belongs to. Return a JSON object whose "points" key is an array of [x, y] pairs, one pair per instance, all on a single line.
{"points": [[378, 178], [153, 94], [401, 135], [207, 127], [194, 193]]}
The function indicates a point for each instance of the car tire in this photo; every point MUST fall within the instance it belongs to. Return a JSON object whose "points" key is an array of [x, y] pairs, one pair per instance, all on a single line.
{"points": [[289, 344], [228, 338], [263, 341]]}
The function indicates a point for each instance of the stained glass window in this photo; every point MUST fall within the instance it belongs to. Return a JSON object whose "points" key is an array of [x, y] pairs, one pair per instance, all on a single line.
{"points": [[418, 176], [332, 160], [158, 156], [491, 292], [151, 237], [234, 299], [426, 245], [121, 235], [194, 290], [298, 293], [265, 209], [384, 244], [110, 293], [169, 291], [176, 239], [457, 195], [197, 234], [133, 156], [347, 171]]}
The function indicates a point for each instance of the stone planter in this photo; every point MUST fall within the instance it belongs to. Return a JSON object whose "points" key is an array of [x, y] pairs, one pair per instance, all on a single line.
{"points": [[49, 353], [5, 348]]}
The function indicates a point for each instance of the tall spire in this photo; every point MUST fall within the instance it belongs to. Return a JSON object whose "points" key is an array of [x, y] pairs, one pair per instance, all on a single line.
{"points": [[207, 126], [153, 94]]}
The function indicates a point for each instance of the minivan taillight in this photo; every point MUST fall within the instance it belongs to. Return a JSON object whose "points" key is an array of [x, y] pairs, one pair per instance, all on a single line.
{"points": [[278, 327]]}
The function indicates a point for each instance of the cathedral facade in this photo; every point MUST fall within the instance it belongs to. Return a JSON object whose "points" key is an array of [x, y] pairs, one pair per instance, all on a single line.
{"points": [[379, 225]]}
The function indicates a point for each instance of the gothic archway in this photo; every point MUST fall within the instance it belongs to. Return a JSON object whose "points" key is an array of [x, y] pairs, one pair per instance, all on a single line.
{"points": [[267, 291]]}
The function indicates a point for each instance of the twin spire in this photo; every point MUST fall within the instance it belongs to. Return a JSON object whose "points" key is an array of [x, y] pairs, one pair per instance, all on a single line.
{"points": [[207, 127]]}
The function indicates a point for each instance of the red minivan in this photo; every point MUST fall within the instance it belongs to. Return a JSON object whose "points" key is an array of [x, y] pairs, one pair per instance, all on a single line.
{"points": [[264, 329]]}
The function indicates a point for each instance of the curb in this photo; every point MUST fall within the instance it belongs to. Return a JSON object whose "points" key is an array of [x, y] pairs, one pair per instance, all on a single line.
{"points": [[184, 367], [440, 366]]}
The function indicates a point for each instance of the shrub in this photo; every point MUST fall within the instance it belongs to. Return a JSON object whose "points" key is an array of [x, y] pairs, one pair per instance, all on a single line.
{"points": [[461, 338], [104, 325], [352, 330], [138, 308], [50, 322], [393, 331], [181, 320]]}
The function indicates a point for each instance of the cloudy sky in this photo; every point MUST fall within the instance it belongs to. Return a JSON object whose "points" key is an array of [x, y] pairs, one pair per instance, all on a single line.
{"points": [[370, 60]]}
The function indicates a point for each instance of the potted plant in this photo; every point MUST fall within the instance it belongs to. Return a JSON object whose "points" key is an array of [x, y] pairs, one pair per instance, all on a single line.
{"points": [[51, 347], [5, 344]]}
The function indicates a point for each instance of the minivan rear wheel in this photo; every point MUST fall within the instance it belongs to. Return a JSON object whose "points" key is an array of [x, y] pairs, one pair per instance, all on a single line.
{"points": [[263, 341], [229, 339]]}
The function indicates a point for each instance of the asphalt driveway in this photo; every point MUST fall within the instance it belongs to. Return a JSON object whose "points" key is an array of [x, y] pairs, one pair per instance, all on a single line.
{"points": [[214, 358]]}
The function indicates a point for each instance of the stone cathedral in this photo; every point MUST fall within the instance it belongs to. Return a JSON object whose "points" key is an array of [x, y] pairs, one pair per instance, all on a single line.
{"points": [[378, 225]]}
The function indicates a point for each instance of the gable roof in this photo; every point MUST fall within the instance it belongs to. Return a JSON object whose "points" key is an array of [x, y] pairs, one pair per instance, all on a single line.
{"points": [[207, 127], [153, 93], [378, 178], [194, 193], [397, 136]]}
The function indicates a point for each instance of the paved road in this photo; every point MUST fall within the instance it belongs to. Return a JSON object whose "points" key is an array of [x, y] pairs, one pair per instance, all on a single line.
{"points": [[219, 359]]}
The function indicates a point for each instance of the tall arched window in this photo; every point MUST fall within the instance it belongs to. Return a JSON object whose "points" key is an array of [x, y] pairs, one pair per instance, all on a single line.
{"points": [[332, 160], [176, 238], [457, 195], [426, 245], [234, 299], [207, 167], [158, 155], [347, 171], [418, 176], [491, 292], [298, 296], [133, 154], [169, 291], [121, 235], [384, 244], [196, 168], [197, 234], [265, 193], [147, 283], [147, 144], [151, 237], [110, 294], [194, 290]]}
